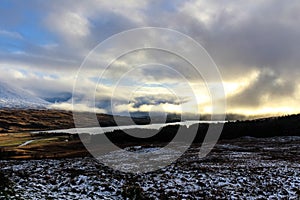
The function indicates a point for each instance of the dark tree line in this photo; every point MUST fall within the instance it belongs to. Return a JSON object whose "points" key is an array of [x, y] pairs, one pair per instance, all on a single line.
{"points": [[261, 128]]}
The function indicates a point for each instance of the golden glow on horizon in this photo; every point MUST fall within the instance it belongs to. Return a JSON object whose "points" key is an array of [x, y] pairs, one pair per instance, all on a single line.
{"points": [[201, 103], [270, 111]]}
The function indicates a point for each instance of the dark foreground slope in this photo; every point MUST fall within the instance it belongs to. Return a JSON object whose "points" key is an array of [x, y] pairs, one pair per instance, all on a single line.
{"points": [[244, 168], [262, 166]]}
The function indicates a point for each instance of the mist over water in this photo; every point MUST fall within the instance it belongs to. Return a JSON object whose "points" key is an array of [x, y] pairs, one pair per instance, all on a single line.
{"points": [[102, 130]]}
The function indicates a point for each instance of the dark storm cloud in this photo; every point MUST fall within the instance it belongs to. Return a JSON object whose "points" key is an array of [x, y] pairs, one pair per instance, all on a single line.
{"points": [[268, 36], [157, 100], [267, 87], [256, 43]]}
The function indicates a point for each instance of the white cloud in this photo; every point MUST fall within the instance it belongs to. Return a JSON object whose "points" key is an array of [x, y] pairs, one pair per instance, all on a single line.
{"points": [[70, 24], [15, 35], [76, 107]]}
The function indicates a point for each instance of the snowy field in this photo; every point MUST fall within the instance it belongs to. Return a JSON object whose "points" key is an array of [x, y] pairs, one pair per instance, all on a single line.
{"points": [[246, 168]]}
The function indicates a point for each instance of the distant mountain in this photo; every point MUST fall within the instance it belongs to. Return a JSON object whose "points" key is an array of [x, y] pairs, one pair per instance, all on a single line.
{"points": [[13, 97]]}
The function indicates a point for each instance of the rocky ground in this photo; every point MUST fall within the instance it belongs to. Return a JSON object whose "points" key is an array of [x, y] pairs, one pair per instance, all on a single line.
{"points": [[246, 168]]}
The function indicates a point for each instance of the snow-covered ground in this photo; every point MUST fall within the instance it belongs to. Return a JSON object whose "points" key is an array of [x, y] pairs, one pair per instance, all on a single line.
{"points": [[246, 168], [13, 97]]}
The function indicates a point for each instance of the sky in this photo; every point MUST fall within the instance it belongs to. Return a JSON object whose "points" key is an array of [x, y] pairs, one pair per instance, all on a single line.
{"points": [[254, 44]]}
